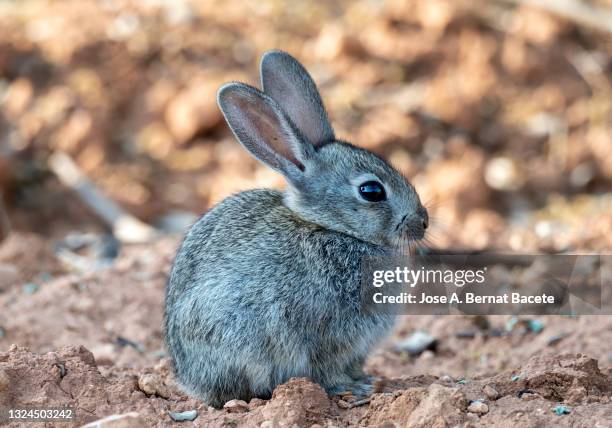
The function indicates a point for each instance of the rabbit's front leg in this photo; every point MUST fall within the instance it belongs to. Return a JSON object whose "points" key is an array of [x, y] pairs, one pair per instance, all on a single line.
{"points": [[359, 388], [355, 369], [355, 380]]}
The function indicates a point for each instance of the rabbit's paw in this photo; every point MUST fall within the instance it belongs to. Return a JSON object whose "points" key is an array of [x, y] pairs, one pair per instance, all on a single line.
{"points": [[359, 388]]}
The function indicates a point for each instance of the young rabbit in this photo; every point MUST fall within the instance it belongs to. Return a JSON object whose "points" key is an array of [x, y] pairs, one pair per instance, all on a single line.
{"points": [[266, 285]]}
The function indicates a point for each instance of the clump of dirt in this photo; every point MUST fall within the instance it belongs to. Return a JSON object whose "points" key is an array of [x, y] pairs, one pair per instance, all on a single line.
{"points": [[69, 377], [573, 377], [435, 405], [298, 402]]}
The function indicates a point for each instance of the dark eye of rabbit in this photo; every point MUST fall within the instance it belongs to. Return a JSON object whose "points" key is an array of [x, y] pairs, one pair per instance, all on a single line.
{"points": [[372, 191]]}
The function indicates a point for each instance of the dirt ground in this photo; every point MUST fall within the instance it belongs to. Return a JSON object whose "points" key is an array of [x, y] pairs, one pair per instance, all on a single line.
{"points": [[93, 342], [501, 117]]}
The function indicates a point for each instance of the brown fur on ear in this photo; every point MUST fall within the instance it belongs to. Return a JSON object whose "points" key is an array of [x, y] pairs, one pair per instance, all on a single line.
{"points": [[266, 125], [264, 129]]}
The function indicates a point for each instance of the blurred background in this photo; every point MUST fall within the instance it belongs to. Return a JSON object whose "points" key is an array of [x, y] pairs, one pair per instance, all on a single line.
{"points": [[500, 112]]}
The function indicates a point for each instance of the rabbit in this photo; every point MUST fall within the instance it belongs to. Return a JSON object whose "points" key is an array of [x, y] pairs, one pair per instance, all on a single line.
{"points": [[266, 285]]}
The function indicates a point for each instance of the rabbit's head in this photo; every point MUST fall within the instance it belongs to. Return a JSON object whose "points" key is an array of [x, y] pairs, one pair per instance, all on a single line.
{"points": [[331, 183]]}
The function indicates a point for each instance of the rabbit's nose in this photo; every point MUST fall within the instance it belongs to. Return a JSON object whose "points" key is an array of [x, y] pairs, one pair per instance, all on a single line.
{"points": [[422, 217], [418, 223], [417, 228]]}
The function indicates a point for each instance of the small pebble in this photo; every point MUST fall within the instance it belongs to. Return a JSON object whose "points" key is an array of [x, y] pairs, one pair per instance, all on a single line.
{"points": [[528, 325], [466, 334], [447, 379], [417, 342], [343, 404], [535, 326], [561, 410], [122, 341], [236, 406], [524, 391], [553, 340], [496, 332], [30, 288], [490, 392], [427, 355], [189, 415], [61, 367], [478, 407], [511, 323], [45, 277], [160, 353]]}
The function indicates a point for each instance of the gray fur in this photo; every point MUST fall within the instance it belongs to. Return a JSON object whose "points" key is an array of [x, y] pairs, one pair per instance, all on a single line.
{"points": [[266, 285]]}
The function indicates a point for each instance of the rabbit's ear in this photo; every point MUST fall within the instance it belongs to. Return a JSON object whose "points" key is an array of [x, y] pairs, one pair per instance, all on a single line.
{"points": [[288, 82], [264, 129]]}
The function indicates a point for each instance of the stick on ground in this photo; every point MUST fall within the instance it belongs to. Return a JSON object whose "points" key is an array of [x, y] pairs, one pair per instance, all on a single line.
{"points": [[580, 12], [125, 227]]}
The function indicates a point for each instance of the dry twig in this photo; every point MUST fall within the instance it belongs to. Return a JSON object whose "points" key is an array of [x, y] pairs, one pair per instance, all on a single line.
{"points": [[126, 227], [598, 18]]}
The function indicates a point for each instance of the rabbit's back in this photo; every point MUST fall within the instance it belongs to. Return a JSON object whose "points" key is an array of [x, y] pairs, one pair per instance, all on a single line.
{"points": [[252, 244], [257, 295]]}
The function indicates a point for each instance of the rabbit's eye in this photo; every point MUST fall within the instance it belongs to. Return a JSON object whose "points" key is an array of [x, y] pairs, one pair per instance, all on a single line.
{"points": [[372, 191]]}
